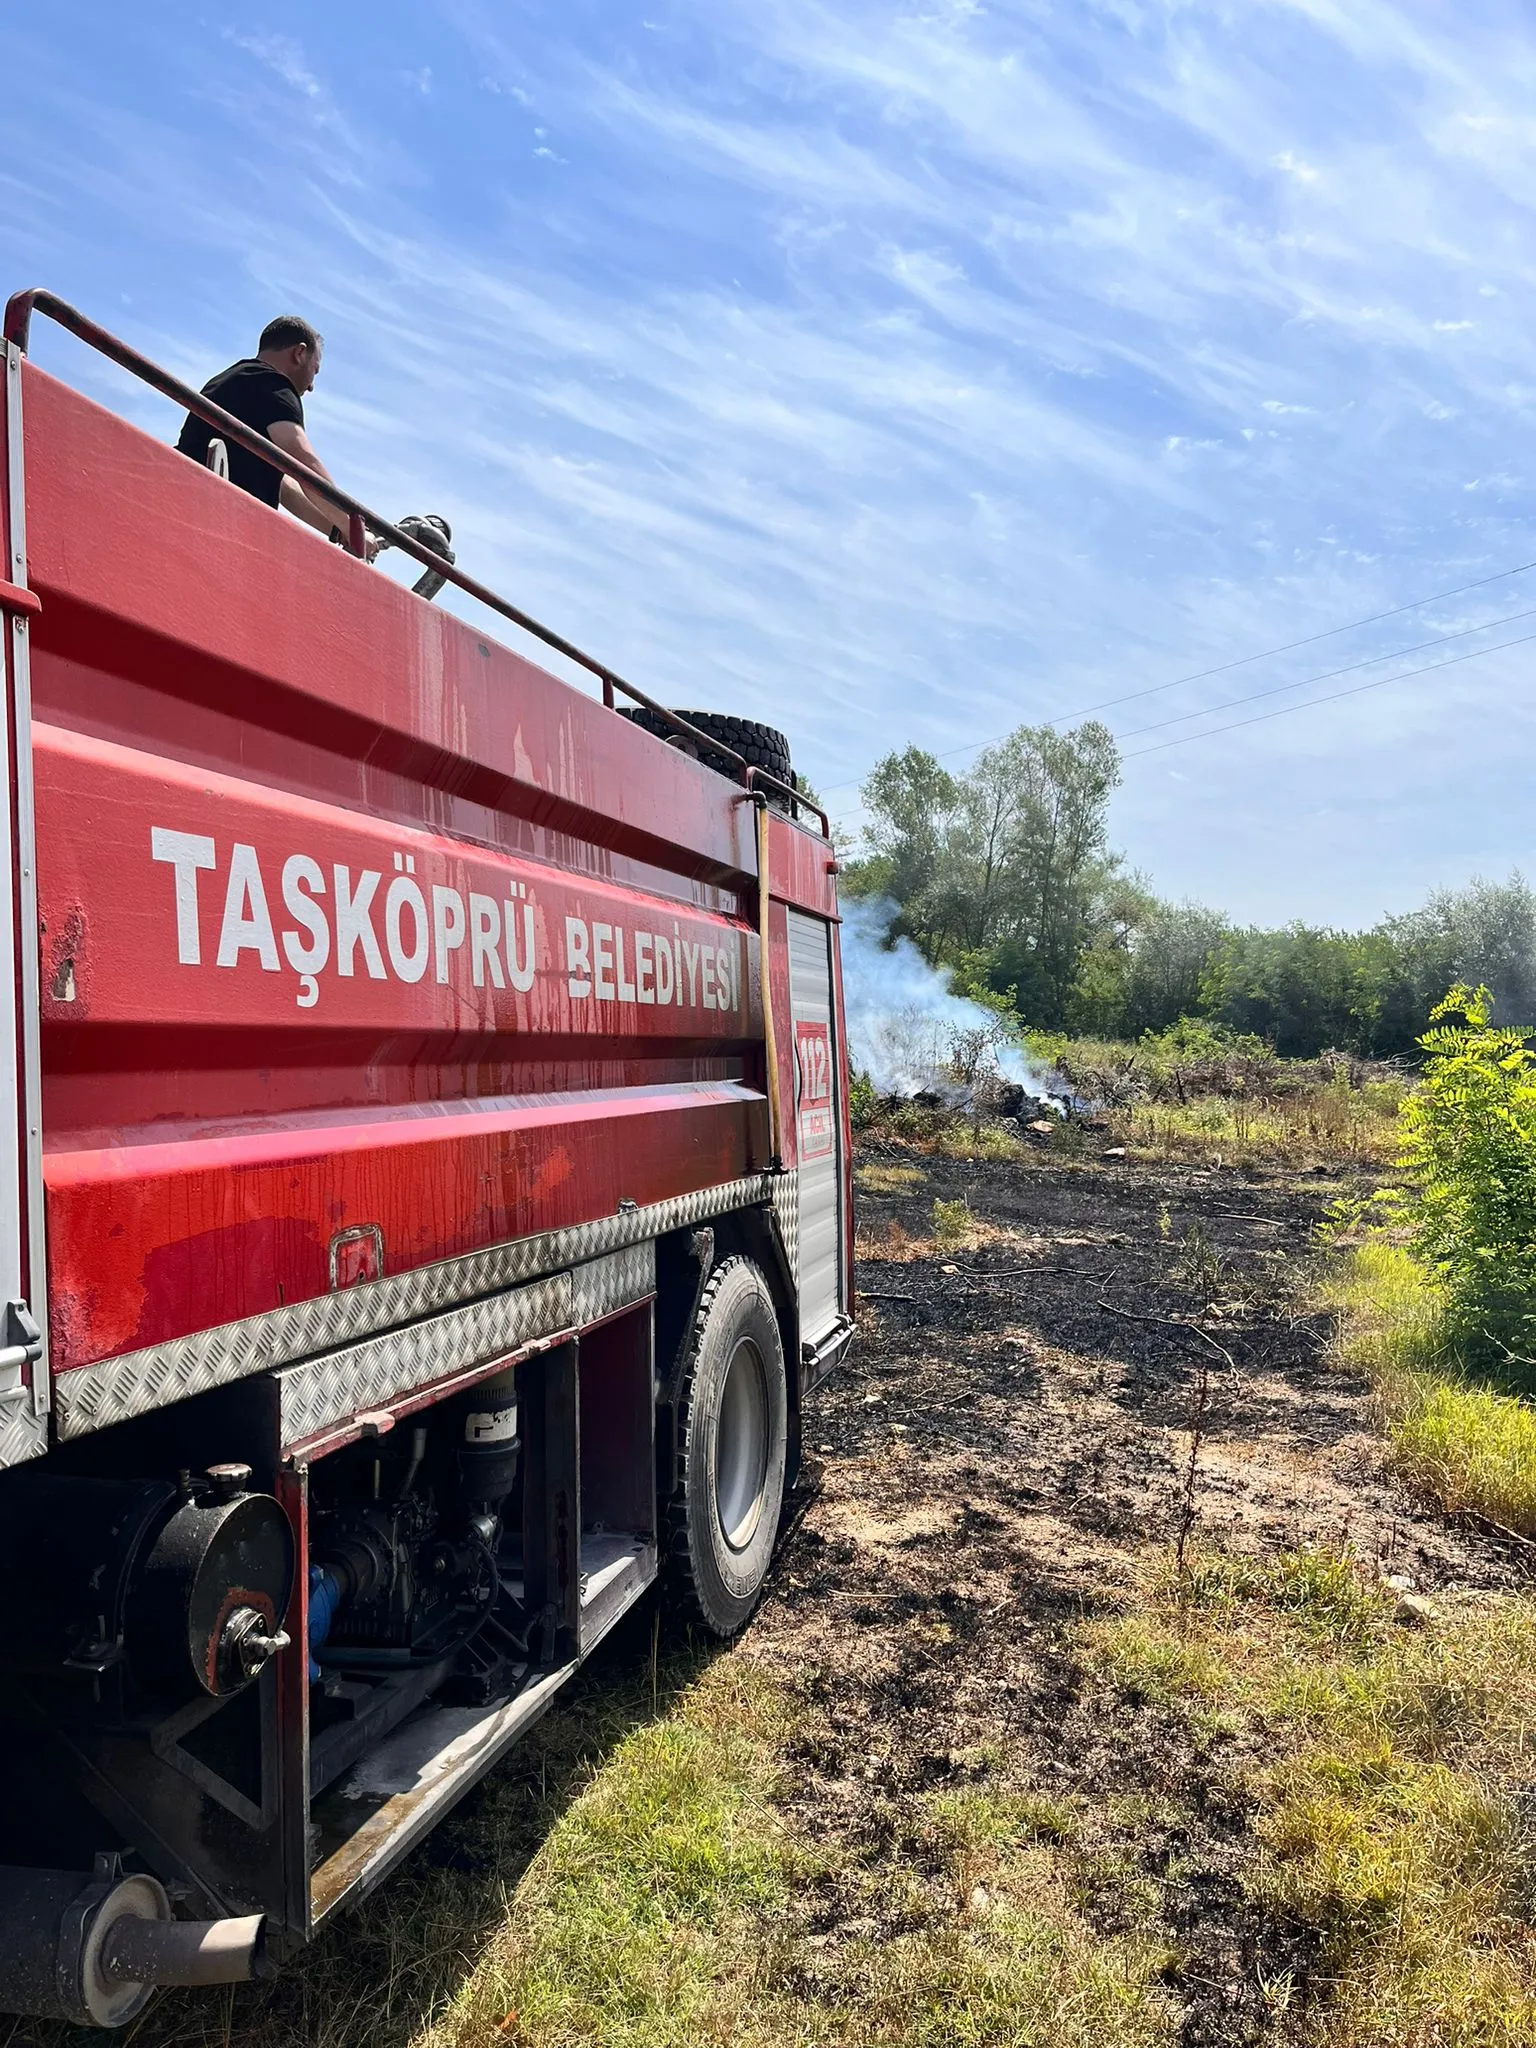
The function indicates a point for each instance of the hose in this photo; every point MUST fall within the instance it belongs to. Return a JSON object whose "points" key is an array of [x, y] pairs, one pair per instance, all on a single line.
{"points": [[434, 532]]}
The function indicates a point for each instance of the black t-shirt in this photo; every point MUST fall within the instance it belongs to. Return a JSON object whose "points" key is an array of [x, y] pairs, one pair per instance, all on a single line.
{"points": [[259, 395]]}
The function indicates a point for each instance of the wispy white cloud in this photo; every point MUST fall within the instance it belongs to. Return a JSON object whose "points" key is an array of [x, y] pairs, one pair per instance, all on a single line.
{"points": [[898, 370], [304, 97], [282, 55]]}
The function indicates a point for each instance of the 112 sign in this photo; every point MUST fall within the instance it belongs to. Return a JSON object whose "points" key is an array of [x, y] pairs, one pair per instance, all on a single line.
{"points": [[813, 1091]]}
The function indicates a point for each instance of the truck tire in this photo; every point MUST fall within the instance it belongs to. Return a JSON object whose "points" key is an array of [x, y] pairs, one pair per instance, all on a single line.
{"points": [[761, 746], [733, 1434]]}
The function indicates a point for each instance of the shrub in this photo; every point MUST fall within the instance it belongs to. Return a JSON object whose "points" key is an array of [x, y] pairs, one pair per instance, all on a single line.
{"points": [[1470, 1149]]}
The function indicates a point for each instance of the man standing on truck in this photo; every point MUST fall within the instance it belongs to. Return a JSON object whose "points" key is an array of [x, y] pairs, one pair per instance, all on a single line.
{"points": [[267, 391]]}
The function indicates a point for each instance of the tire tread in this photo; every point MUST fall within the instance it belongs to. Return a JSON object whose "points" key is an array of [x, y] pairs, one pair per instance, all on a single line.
{"points": [[681, 1576], [762, 746]]}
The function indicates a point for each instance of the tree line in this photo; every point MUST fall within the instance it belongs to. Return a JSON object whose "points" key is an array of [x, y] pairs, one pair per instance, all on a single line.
{"points": [[1004, 875]]}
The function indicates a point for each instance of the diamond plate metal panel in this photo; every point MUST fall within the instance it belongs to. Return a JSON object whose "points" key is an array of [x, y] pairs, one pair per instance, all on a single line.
{"points": [[604, 1285], [786, 1213], [23, 1432], [323, 1391], [93, 1397]]}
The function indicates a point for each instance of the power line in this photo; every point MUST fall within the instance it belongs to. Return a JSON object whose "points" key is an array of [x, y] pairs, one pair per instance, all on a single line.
{"points": [[1244, 661], [1350, 668], [1333, 697], [1285, 711]]}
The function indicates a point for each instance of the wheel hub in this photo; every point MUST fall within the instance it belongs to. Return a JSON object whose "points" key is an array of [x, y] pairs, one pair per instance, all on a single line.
{"points": [[741, 1447]]}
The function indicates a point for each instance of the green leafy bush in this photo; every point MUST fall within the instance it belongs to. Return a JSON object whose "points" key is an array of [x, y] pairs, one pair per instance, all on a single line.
{"points": [[952, 1221], [1470, 1149], [863, 1102]]}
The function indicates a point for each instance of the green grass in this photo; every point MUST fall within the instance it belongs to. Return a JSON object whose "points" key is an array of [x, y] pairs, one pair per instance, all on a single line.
{"points": [[638, 1923], [1397, 1830], [1464, 1443], [975, 1138], [1151, 1663], [1322, 1594], [667, 1908], [1027, 1975], [1331, 1122], [972, 1829], [875, 1177], [1391, 1818], [1390, 1317], [1472, 1449]]}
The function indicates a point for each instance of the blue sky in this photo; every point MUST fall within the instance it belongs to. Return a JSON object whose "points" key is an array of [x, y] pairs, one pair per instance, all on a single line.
{"points": [[895, 372]]}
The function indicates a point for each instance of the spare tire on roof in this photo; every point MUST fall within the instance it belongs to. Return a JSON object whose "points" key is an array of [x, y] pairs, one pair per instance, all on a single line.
{"points": [[761, 746]]}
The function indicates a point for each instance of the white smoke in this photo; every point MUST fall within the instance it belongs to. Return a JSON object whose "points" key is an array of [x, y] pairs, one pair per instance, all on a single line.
{"points": [[911, 1033]]}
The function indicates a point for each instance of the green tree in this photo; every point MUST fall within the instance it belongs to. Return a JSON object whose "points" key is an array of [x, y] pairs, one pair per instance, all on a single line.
{"points": [[1171, 949], [1097, 1003], [1067, 866], [911, 803], [1301, 988], [1482, 936], [1006, 862]]}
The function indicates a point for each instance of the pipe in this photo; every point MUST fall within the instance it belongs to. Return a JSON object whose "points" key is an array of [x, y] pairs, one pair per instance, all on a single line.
{"points": [[326, 1593], [186, 1951], [418, 1453], [91, 1946]]}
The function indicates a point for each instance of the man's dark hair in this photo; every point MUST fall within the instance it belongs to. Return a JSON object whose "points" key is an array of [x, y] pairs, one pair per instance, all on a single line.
{"points": [[287, 331]]}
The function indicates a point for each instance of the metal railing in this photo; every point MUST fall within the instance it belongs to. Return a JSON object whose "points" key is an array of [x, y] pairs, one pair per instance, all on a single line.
{"points": [[360, 520]]}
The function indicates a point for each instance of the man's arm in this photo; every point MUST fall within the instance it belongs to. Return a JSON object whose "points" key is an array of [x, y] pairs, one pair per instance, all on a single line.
{"points": [[305, 501], [293, 498]]}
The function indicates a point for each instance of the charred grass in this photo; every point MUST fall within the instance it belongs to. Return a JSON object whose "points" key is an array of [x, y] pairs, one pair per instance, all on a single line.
{"points": [[1112, 1689]]}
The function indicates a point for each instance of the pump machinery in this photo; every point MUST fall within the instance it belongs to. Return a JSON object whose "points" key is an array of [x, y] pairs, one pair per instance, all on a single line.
{"points": [[424, 1198]]}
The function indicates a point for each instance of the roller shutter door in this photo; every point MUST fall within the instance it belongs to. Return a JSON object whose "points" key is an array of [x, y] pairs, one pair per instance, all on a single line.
{"points": [[818, 1127]]}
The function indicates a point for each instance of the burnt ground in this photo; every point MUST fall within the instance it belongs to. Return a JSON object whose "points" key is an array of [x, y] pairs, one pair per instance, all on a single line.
{"points": [[1004, 1454]]}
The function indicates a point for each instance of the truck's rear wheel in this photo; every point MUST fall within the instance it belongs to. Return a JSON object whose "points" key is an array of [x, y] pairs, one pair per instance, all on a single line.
{"points": [[735, 1426]]}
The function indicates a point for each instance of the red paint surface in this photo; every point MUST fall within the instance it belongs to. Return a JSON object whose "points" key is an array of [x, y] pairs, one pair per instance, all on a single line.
{"points": [[126, 967], [802, 868], [205, 666], [148, 1241]]}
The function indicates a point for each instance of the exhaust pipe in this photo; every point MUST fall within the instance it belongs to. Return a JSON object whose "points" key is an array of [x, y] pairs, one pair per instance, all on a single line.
{"points": [[185, 1951], [94, 1947]]}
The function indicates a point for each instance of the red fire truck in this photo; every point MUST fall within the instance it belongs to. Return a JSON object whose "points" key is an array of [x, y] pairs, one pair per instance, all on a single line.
{"points": [[423, 1192]]}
